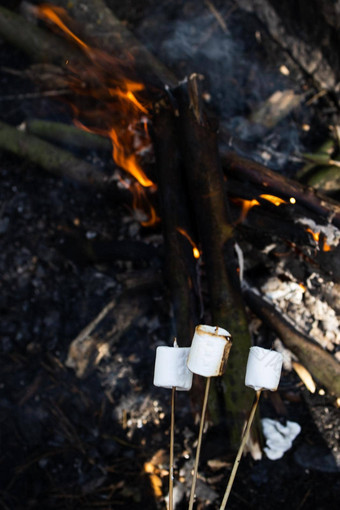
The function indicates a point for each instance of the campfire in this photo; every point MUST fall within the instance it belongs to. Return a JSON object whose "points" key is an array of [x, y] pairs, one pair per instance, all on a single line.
{"points": [[216, 234]]}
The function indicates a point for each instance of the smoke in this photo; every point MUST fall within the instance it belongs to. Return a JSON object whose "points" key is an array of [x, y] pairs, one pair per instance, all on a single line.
{"points": [[240, 76]]}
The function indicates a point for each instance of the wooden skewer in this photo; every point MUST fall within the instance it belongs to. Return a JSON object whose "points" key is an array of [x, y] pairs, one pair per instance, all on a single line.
{"points": [[171, 462], [240, 450], [199, 443]]}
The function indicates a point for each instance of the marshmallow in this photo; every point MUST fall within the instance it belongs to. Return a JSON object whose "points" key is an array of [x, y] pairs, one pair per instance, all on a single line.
{"points": [[209, 351], [171, 368], [263, 369]]}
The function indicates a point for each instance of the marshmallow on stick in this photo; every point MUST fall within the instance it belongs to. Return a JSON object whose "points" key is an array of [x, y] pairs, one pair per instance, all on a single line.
{"points": [[171, 372], [171, 368], [263, 369], [208, 357], [263, 373], [209, 351]]}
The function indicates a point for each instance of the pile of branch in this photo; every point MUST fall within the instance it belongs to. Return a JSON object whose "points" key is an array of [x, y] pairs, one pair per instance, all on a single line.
{"points": [[196, 187]]}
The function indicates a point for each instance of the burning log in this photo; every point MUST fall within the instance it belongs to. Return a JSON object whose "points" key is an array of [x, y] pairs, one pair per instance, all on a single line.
{"points": [[181, 271], [242, 169], [198, 137], [321, 364]]}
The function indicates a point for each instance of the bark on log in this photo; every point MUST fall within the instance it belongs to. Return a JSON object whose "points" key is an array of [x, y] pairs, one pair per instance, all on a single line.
{"points": [[240, 168], [54, 160], [69, 136], [181, 271], [323, 367], [204, 176]]}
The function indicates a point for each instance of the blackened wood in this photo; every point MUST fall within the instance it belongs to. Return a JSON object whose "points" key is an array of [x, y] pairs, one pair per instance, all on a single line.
{"points": [[181, 270], [320, 363], [245, 170], [198, 135]]}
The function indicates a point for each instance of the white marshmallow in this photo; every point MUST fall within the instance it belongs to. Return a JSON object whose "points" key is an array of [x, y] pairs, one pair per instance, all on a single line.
{"points": [[209, 351], [263, 369], [171, 368]]}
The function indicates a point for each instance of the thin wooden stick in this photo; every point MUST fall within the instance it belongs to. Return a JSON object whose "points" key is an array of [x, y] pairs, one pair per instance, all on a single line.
{"points": [[171, 463], [240, 450], [199, 443]]}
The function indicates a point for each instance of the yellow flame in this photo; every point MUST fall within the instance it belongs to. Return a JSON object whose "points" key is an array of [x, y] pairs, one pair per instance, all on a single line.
{"points": [[273, 199], [195, 251], [128, 161]]}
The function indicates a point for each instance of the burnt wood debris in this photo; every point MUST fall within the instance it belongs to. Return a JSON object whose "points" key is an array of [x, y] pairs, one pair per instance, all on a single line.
{"points": [[248, 224]]}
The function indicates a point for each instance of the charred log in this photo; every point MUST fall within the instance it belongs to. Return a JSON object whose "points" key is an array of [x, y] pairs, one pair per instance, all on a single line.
{"points": [[198, 135], [181, 271], [242, 169]]}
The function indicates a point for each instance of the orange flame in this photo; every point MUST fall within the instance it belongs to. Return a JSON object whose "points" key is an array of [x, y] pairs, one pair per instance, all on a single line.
{"points": [[246, 206], [273, 199], [119, 112], [141, 203], [128, 161], [195, 251], [54, 14], [316, 237]]}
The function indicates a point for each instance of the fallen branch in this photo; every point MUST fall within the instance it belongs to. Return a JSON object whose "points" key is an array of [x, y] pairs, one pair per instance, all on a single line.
{"points": [[52, 159], [70, 136], [40, 45], [105, 330], [244, 170], [323, 367]]}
